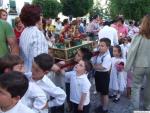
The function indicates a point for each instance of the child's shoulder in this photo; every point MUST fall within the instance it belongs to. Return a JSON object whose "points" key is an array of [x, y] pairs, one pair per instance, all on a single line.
{"points": [[107, 55], [86, 82]]}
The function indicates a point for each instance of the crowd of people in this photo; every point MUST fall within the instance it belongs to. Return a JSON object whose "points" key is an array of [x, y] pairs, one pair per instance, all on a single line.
{"points": [[32, 82]]}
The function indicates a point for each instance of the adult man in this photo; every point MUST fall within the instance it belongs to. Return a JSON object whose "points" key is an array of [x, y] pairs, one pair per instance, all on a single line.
{"points": [[109, 32], [8, 42]]}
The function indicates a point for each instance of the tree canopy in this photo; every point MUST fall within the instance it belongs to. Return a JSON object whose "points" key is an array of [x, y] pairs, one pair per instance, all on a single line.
{"points": [[50, 8], [76, 8], [131, 9]]}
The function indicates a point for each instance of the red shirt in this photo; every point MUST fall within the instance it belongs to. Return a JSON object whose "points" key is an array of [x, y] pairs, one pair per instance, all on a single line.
{"points": [[18, 33]]}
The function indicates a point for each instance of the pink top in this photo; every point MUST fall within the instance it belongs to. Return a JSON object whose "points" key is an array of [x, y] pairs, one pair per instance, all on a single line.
{"points": [[122, 31]]}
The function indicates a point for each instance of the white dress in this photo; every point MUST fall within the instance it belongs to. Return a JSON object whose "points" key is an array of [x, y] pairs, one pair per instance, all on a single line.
{"points": [[118, 80]]}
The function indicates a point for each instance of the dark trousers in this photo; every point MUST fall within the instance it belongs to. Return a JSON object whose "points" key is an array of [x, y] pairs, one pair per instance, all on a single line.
{"points": [[57, 109], [86, 108]]}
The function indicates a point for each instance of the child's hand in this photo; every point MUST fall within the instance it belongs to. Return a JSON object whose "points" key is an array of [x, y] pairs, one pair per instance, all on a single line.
{"points": [[55, 68], [46, 106], [62, 62], [80, 107], [62, 71]]}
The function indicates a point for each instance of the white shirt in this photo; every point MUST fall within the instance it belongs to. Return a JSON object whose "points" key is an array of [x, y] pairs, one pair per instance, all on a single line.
{"points": [[35, 98], [110, 33], [52, 90], [19, 108], [78, 85], [32, 43], [58, 27], [104, 60], [124, 49], [133, 31]]}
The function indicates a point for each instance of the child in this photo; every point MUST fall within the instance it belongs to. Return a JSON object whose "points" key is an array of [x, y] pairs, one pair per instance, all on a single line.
{"points": [[41, 66], [117, 74], [80, 86], [125, 46], [13, 86], [34, 98], [11, 63], [82, 53], [101, 64]]}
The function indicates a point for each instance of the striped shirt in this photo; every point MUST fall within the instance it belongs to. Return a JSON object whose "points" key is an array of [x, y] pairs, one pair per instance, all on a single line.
{"points": [[32, 43]]}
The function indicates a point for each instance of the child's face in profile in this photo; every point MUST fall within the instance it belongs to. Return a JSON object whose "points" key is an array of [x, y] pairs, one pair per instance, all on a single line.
{"points": [[78, 56], [80, 67], [37, 72], [103, 47], [6, 99], [19, 68]]}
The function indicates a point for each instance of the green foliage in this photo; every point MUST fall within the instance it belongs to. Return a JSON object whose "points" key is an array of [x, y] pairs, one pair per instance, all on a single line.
{"points": [[97, 9], [50, 8], [76, 8], [131, 9]]}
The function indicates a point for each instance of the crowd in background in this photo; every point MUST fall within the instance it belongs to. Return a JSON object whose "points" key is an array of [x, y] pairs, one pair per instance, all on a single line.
{"points": [[41, 85]]}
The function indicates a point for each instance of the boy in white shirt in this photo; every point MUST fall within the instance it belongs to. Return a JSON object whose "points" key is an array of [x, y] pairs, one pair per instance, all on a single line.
{"points": [[34, 98], [101, 64], [13, 86], [41, 66], [80, 86]]}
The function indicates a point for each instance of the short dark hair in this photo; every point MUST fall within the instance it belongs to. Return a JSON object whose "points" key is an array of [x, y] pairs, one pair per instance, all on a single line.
{"points": [[57, 18], [44, 61], [106, 41], [9, 61], [119, 49], [65, 21], [107, 23], [15, 83], [87, 54], [95, 16], [88, 65], [121, 19], [30, 14]]}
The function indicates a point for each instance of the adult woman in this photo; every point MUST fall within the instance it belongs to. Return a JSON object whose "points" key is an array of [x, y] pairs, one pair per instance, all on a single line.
{"points": [[139, 59], [32, 40]]}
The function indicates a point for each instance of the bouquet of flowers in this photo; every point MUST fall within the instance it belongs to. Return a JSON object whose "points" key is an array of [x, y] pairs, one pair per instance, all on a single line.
{"points": [[120, 66]]}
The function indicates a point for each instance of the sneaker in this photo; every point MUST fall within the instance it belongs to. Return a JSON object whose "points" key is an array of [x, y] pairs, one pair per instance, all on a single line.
{"points": [[112, 96], [95, 92], [116, 100]]}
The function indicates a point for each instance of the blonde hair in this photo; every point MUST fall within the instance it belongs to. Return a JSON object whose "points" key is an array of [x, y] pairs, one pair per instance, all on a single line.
{"points": [[145, 26], [17, 20]]}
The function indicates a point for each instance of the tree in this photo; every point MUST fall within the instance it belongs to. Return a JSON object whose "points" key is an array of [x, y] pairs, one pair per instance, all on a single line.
{"points": [[76, 8], [97, 9], [131, 9], [50, 8]]}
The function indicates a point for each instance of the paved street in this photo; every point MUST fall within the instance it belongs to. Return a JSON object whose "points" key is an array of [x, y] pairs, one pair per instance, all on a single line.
{"points": [[119, 107]]}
